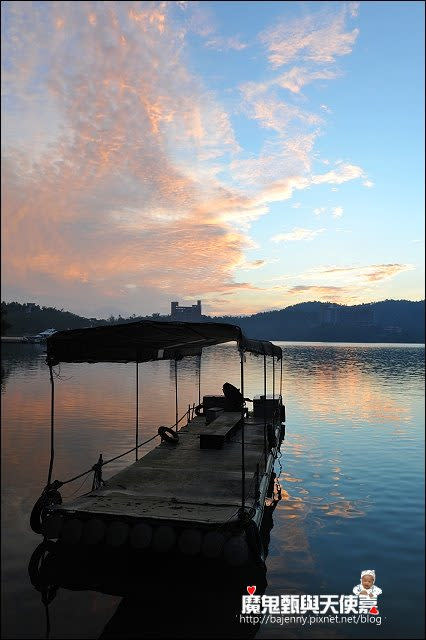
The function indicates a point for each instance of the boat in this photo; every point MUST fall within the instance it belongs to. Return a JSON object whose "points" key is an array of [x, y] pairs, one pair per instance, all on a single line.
{"points": [[144, 584], [204, 489], [41, 337]]}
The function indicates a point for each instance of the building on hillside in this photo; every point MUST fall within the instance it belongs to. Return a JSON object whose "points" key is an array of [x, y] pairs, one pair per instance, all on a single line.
{"points": [[185, 314], [329, 314], [359, 316]]}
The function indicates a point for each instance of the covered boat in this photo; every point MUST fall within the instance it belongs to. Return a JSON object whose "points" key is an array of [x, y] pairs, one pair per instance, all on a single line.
{"points": [[203, 489]]}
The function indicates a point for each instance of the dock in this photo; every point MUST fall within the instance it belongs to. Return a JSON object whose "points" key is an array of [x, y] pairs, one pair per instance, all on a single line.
{"points": [[177, 493]]}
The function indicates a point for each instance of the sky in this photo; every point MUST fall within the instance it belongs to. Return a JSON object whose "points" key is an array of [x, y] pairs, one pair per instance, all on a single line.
{"points": [[253, 155]]}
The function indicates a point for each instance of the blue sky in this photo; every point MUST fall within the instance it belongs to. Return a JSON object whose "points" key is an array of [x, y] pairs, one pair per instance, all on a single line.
{"points": [[253, 155]]}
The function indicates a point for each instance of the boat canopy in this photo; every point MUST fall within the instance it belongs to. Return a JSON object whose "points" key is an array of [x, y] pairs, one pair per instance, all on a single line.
{"points": [[148, 340]]}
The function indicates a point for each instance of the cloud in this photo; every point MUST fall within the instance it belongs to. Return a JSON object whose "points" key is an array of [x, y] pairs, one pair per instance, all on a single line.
{"points": [[322, 292], [255, 264], [367, 273], [343, 173], [220, 43], [114, 199], [313, 44], [297, 234], [316, 38], [347, 284], [370, 273], [277, 115], [337, 212], [297, 77], [126, 183], [353, 8], [368, 184], [282, 189], [318, 289]]}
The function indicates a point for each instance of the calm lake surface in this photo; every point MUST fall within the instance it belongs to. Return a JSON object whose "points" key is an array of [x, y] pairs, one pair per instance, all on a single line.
{"points": [[351, 471]]}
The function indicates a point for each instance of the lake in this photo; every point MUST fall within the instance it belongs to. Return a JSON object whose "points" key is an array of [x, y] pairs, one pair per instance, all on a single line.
{"points": [[351, 471]]}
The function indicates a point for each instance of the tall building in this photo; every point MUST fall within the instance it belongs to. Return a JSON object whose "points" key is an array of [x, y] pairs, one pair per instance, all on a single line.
{"points": [[185, 314], [329, 314]]}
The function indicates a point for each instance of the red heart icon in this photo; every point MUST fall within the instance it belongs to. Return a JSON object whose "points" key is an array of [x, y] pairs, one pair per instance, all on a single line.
{"points": [[251, 590], [373, 610]]}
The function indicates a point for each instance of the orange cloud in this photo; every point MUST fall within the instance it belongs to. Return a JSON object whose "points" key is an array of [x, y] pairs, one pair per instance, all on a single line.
{"points": [[370, 273], [114, 174], [330, 293], [113, 200]]}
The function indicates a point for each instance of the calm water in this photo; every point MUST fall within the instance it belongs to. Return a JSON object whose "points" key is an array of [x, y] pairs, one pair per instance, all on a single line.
{"points": [[351, 471]]}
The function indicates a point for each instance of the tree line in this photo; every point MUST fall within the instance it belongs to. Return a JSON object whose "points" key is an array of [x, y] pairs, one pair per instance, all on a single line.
{"points": [[385, 321]]}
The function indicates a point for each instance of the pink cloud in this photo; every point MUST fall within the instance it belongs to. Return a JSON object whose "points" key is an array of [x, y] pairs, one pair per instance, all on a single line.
{"points": [[113, 200], [297, 77], [318, 38], [114, 159]]}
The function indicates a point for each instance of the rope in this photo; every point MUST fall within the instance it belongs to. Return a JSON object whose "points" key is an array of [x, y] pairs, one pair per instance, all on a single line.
{"points": [[78, 489], [104, 462], [97, 468], [247, 510]]}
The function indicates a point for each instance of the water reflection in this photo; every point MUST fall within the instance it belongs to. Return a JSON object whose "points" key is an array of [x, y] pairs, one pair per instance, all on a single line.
{"points": [[19, 358], [351, 470]]}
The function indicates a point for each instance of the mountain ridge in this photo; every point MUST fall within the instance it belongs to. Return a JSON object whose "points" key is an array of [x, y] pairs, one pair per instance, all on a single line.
{"points": [[314, 321]]}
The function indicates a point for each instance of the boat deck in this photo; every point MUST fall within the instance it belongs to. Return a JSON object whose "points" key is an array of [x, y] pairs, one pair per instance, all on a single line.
{"points": [[182, 482]]}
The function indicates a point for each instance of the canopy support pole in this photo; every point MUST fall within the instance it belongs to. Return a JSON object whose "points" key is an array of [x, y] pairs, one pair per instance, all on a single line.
{"points": [[273, 390], [199, 379], [281, 378], [264, 409], [176, 396], [137, 408], [52, 425], [243, 463]]}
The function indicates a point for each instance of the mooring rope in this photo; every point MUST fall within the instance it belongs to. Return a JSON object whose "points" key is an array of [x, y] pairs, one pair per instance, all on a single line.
{"points": [[176, 395], [101, 464]]}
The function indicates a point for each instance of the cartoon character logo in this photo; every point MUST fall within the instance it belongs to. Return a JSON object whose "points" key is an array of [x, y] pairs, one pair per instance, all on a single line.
{"points": [[367, 591]]}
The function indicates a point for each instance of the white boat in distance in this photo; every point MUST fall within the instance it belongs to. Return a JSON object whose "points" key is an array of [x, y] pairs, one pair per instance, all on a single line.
{"points": [[41, 337]]}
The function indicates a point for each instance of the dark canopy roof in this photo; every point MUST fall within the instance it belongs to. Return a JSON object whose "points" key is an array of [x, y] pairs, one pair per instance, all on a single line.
{"points": [[148, 340]]}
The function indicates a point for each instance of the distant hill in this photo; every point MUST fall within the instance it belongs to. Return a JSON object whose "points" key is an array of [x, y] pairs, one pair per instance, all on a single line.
{"points": [[386, 321]]}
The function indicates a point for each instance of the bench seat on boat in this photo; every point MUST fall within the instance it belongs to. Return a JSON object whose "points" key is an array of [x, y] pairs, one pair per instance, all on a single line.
{"points": [[220, 430]]}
